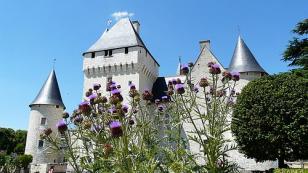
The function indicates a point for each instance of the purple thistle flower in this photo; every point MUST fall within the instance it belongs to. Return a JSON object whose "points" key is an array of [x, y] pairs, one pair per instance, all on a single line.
{"points": [[116, 129], [235, 76], [115, 92], [125, 108], [113, 86], [62, 126], [173, 81], [84, 107], [179, 88], [92, 96], [184, 69], [215, 69], [132, 86]]}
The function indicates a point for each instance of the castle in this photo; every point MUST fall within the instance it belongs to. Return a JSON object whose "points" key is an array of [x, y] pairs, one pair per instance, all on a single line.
{"points": [[120, 55]]}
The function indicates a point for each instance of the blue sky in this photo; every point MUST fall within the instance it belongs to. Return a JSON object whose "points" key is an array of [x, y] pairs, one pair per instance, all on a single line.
{"points": [[34, 32]]}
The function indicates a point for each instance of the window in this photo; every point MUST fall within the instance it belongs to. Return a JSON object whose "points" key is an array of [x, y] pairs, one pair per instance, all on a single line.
{"points": [[129, 83], [40, 143], [126, 50], [92, 54], [110, 52], [106, 52], [57, 106], [43, 121]]}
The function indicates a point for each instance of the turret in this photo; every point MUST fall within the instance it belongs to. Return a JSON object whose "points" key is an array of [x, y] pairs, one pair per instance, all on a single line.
{"points": [[46, 110], [244, 62], [120, 55]]}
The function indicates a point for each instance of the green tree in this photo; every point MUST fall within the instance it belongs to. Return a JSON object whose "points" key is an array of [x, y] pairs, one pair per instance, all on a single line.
{"points": [[270, 118], [297, 49], [20, 141], [22, 161], [7, 136]]}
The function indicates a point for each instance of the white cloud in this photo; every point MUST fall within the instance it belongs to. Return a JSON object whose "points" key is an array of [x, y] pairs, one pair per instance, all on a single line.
{"points": [[121, 14]]}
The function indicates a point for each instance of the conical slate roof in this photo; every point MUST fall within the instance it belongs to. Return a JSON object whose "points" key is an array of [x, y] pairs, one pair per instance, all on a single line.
{"points": [[122, 34], [243, 60], [49, 93]]}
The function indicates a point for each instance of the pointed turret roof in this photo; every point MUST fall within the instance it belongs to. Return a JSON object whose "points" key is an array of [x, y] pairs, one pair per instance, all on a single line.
{"points": [[243, 60], [49, 93], [122, 34]]}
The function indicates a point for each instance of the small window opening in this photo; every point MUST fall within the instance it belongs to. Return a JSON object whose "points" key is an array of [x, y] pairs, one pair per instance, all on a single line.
{"points": [[43, 121], [40, 143], [106, 52], [93, 55], [57, 106], [126, 50], [110, 52]]}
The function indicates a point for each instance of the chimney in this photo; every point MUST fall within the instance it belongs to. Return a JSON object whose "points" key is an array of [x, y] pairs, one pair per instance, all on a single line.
{"points": [[205, 43], [136, 25]]}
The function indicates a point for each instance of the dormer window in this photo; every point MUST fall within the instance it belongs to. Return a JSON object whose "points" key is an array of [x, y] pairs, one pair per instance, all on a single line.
{"points": [[92, 54], [126, 50]]}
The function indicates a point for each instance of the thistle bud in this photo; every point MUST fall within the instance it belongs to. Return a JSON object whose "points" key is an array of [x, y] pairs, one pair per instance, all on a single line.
{"points": [[146, 95], [203, 83], [65, 115], [96, 86]]}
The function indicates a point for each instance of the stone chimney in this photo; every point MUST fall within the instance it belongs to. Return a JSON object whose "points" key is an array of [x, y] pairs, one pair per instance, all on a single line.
{"points": [[205, 43], [136, 25]]}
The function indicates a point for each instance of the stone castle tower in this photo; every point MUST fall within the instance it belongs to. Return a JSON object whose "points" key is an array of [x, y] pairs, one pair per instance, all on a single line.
{"points": [[120, 55], [46, 110]]}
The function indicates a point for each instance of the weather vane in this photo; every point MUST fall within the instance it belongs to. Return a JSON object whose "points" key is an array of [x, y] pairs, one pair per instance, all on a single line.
{"points": [[54, 63], [109, 21]]}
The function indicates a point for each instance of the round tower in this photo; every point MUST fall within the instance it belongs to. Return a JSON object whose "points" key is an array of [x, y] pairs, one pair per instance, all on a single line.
{"points": [[245, 63], [46, 110]]}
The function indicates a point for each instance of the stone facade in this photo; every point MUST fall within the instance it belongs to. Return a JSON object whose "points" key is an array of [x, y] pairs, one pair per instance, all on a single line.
{"points": [[35, 146], [136, 66]]}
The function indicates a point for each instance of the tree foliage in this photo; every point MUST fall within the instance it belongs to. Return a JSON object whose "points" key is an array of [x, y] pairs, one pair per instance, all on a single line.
{"points": [[12, 141], [297, 49], [270, 118]]}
